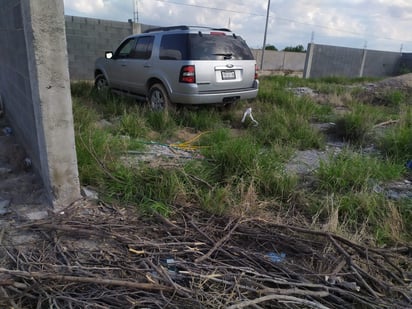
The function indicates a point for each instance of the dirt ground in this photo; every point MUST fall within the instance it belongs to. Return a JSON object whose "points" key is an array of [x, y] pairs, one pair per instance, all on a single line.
{"points": [[21, 191]]}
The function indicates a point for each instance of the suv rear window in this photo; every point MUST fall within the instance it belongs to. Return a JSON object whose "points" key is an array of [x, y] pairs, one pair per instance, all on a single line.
{"points": [[203, 47]]}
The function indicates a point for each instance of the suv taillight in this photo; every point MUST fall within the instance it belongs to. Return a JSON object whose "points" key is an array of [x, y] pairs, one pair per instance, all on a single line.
{"points": [[256, 71], [188, 74]]}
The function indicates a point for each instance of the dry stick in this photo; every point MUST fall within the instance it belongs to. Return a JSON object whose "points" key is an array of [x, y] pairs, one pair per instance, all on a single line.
{"points": [[6, 296], [353, 266], [278, 297], [321, 233], [218, 244], [178, 288], [200, 231], [356, 246], [382, 124], [128, 284], [295, 291]]}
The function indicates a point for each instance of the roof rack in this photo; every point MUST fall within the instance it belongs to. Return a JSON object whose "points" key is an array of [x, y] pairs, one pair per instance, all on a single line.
{"points": [[183, 27], [167, 28]]}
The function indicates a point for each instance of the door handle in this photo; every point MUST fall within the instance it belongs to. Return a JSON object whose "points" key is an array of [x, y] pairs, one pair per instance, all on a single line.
{"points": [[147, 65]]}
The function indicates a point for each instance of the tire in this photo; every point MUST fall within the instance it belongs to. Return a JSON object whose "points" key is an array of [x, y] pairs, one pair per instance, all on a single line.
{"points": [[101, 84], [158, 98]]}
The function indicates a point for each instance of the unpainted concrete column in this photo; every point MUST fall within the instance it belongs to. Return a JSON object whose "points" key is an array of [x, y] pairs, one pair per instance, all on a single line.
{"points": [[308, 61], [363, 62], [44, 29], [136, 28]]}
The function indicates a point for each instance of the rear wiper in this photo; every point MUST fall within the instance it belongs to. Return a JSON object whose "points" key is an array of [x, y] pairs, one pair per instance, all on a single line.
{"points": [[225, 56]]}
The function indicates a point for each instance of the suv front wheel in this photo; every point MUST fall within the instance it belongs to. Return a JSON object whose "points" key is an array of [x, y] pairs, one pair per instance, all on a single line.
{"points": [[101, 83], [158, 97]]}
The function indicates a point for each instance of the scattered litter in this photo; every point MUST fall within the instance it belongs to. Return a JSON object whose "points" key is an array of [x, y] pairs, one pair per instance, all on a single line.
{"points": [[337, 280], [333, 279], [188, 145], [36, 215], [136, 251], [5, 170], [7, 131], [299, 91], [275, 257], [170, 264], [163, 154], [248, 112], [89, 193]]}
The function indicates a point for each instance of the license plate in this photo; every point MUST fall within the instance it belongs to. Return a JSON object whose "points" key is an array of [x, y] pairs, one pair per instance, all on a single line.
{"points": [[228, 75]]}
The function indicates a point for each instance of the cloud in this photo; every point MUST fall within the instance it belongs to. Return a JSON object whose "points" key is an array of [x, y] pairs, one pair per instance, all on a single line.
{"points": [[384, 24], [85, 6]]}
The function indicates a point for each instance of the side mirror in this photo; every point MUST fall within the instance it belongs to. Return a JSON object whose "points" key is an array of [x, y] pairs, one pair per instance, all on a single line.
{"points": [[108, 55]]}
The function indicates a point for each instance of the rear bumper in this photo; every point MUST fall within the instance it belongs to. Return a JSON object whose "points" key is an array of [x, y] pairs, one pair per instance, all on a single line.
{"points": [[223, 97]]}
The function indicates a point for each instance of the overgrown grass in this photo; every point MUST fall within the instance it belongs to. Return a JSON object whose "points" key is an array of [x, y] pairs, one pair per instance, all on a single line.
{"points": [[354, 172], [356, 126], [397, 141], [243, 165]]}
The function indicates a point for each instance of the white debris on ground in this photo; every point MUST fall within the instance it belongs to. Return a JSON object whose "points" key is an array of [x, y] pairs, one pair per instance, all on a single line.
{"points": [[247, 113], [300, 91], [159, 155]]}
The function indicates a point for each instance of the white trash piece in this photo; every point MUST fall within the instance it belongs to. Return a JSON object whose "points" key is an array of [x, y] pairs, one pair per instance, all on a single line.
{"points": [[248, 112]]}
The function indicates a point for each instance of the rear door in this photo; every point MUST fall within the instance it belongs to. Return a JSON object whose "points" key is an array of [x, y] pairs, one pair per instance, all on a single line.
{"points": [[223, 62], [139, 65]]}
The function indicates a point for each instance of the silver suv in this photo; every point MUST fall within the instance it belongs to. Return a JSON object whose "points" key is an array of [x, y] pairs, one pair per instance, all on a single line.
{"points": [[181, 65]]}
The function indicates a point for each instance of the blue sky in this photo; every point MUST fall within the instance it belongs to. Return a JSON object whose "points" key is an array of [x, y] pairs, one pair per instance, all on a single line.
{"points": [[376, 24]]}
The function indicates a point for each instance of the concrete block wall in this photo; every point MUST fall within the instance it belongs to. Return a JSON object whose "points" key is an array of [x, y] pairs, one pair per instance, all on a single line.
{"points": [[325, 60], [380, 64], [35, 90], [88, 39], [280, 60]]}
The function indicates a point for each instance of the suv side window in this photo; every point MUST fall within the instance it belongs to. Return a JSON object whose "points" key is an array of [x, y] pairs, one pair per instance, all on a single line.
{"points": [[173, 47], [124, 50], [143, 49]]}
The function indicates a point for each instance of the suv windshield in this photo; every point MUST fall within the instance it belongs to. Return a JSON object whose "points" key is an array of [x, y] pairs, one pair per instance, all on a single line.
{"points": [[204, 47]]}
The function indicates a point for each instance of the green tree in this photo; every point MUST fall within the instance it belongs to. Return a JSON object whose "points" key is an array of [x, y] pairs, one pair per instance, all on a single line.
{"points": [[296, 49], [271, 47]]}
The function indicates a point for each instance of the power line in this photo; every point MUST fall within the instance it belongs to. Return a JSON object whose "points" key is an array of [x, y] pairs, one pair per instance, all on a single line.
{"points": [[280, 18], [210, 8]]}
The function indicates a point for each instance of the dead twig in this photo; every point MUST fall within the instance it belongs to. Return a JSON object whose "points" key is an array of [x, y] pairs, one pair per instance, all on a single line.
{"points": [[292, 299], [48, 276], [219, 243]]}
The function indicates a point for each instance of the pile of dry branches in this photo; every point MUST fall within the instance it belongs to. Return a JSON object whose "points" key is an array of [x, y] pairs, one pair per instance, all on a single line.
{"points": [[99, 256]]}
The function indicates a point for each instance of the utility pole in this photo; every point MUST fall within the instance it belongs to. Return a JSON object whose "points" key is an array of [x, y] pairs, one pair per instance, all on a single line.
{"points": [[135, 11], [264, 37]]}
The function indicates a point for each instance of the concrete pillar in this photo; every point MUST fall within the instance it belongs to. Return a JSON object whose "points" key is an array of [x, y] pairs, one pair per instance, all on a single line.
{"points": [[44, 30], [308, 61], [136, 28], [362, 67]]}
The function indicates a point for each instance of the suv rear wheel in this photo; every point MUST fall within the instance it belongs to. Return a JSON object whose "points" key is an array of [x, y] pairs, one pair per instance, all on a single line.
{"points": [[158, 97]]}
